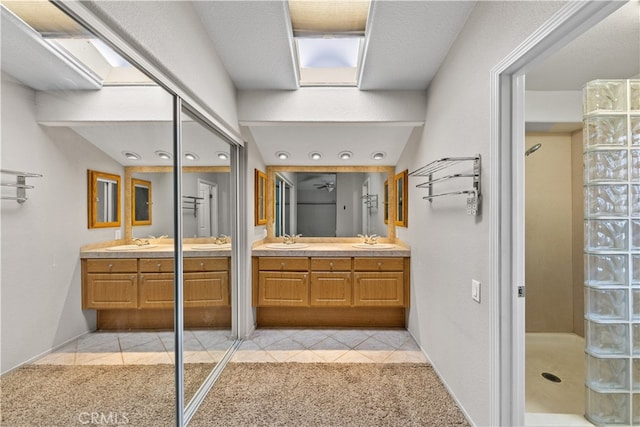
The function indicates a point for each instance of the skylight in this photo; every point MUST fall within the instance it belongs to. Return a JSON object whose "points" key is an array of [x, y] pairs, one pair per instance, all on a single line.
{"points": [[73, 41], [328, 37]]}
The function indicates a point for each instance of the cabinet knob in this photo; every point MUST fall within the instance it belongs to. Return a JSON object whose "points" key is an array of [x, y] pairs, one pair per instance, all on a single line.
{"points": [[134, 278], [159, 266], [379, 265], [202, 265], [282, 265], [110, 267], [331, 265]]}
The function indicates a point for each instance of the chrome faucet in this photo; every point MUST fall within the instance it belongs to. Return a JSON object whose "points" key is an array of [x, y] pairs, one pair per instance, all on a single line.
{"points": [[290, 239], [222, 239], [140, 242], [369, 240]]}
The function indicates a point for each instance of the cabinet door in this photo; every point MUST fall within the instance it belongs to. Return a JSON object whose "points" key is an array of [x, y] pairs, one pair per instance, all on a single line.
{"points": [[330, 289], [156, 290], [283, 289], [200, 290], [115, 290], [378, 289], [206, 289]]}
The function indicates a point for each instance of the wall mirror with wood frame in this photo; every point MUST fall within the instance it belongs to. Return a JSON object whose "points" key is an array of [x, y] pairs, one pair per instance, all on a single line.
{"points": [[402, 198], [329, 201], [141, 208], [260, 198], [103, 199]]}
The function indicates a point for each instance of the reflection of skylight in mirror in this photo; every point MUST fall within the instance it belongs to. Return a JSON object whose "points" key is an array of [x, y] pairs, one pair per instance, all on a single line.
{"points": [[112, 58], [328, 52]]}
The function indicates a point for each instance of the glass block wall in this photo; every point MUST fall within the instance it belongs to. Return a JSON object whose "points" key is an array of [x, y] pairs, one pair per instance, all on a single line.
{"points": [[612, 251]]}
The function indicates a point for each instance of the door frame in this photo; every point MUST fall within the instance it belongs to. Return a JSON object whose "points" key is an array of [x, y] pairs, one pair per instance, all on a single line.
{"points": [[507, 202]]}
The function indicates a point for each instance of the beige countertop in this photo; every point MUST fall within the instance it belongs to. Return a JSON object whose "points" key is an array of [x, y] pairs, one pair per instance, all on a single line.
{"points": [[333, 250], [190, 250]]}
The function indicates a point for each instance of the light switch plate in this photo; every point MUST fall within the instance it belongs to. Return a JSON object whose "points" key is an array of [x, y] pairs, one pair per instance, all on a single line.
{"points": [[118, 235], [475, 290]]}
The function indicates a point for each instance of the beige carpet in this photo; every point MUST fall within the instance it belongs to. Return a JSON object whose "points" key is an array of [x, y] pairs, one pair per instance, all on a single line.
{"points": [[140, 395], [246, 394], [302, 394]]}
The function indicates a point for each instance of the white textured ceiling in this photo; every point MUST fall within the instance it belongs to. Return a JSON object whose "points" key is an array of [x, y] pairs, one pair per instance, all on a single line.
{"points": [[408, 40], [254, 40]]}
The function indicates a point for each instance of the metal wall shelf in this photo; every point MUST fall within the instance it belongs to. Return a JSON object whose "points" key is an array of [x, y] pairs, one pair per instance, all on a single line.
{"points": [[20, 185], [473, 194]]}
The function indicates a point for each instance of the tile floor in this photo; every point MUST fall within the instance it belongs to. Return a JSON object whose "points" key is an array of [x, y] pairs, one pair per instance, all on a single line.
{"points": [[265, 345], [139, 348], [330, 346]]}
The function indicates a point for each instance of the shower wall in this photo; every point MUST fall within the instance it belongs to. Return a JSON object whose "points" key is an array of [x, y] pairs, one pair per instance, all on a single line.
{"points": [[553, 234]]}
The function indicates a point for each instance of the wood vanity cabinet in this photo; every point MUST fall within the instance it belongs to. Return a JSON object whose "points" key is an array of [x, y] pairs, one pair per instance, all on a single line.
{"points": [[148, 283], [378, 282], [111, 283], [283, 281], [330, 282], [206, 282], [324, 291]]}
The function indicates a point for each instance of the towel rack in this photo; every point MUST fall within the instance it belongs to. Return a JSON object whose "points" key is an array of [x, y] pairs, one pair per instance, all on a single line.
{"points": [[370, 201], [20, 185], [191, 202], [473, 194]]}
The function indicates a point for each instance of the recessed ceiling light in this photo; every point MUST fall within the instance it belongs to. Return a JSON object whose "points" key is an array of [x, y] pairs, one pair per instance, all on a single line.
{"points": [[282, 155], [345, 155], [191, 156], [378, 155], [163, 155], [222, 155], [315, 155], [131, 155]]}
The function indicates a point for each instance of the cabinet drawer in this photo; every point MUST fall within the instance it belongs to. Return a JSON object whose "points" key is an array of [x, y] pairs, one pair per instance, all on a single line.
{"points": [[112, 265], [378, 289], [206, 264], [209, 289], [112, 290], [283, 289], [331, 264], [329, 289], [156, 265], [284, 263], [378, 264]]}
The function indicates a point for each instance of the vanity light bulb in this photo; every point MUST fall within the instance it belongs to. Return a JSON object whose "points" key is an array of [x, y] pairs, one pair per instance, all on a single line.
{"points": [[345, 155], [190, 156], [131, 155], [378, 155], [163, 155], [315, 156], [282, 155], [223, 156]]}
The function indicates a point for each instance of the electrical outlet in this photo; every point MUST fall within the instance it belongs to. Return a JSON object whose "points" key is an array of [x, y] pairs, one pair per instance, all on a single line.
{"points": [[118, 234], [475, 290]]}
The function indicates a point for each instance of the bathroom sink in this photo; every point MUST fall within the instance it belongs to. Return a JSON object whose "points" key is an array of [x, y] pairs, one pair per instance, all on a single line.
{"points": [[287, 245], [129, 247], [375, 246], [210, 246]]}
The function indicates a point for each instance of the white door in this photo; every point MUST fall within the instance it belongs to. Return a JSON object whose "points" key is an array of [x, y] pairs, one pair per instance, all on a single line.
{"points": [[208, 209]]}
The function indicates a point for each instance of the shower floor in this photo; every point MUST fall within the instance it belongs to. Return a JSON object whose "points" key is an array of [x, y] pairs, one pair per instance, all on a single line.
{"points": [[548, 402]]}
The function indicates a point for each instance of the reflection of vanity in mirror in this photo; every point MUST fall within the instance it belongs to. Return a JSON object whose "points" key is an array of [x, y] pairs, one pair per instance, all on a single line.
{"points": [[322, 202]]}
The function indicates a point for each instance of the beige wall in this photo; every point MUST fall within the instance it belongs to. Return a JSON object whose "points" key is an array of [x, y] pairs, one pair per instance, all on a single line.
{"points": [[548, 234]]}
